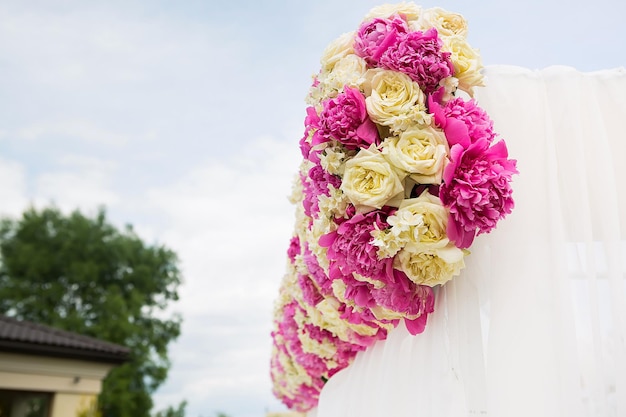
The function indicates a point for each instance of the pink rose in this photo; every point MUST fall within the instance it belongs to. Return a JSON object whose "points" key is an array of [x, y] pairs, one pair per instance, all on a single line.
{"points": [[345, 119], [418, 54], [376, 35], [476, 188]]}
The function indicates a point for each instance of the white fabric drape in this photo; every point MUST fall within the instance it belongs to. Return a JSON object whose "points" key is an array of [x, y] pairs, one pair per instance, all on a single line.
{"points": [[536, 323]]}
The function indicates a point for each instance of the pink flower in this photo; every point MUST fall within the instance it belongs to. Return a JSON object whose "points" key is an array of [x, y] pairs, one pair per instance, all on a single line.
{"points": [[345, 119], [476, 188], [310, 293], [317, 272], [463, 122], [478, 122], [350, 247], [294, 248], [404, 296], [287, 339], [311, 124], [316, 184], [345, 353], [418, 54], [376, 35]]}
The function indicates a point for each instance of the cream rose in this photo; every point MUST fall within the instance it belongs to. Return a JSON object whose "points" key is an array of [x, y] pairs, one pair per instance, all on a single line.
{"points": [[370, 182], [410, 11], [430, 263], [336, 50], [467, 64], [428, 256], [421, 152], [394, 99], [349, 70], [417, 221], [447, 23], [420, 220]]}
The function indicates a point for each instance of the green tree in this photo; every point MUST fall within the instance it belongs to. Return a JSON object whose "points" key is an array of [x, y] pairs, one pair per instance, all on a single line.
{"points": [[173, 412], [84, 275]]}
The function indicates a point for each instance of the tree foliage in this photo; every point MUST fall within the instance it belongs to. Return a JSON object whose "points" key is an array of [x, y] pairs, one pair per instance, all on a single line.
{"points": [[173, 412], [84, 275]]}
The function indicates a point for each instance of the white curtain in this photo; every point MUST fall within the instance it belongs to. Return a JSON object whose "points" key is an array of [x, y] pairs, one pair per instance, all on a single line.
{"points": [[536, 324]]}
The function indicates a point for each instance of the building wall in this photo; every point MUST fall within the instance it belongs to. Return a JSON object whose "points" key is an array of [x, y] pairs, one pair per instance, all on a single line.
{"points": [[75, 384]]}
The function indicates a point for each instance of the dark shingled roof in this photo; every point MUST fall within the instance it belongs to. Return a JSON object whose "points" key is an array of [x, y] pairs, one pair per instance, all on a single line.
{"points": [[22, 336]]}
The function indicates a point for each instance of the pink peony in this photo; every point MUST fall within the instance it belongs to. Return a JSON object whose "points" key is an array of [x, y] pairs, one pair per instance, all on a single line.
{"points": [[317, 272], [404, 296], [294, 248], [476, 188], [345, 353], [316, 184], [311, 125], [345, 119], [478, 122], [310, 293], [376, 35], [350, 247], [287, 339], [463, 122], [418, 54], [358, 292]]}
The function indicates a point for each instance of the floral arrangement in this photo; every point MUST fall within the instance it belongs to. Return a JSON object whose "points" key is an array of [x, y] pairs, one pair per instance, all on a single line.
{"points": [[401, 171]]}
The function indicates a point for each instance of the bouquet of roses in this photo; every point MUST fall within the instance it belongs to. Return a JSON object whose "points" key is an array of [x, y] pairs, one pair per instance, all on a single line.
{"points": [[401, 170]]}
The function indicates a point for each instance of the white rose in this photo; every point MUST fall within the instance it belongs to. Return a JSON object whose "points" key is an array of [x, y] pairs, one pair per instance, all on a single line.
{"points": [[421, 152], [420, 220], [394, 100], [336, 50], [428, 257], [417, 220], [410, 11], [370, 182], [467, 64], [447, 23], [349, 70], [430, 263]]}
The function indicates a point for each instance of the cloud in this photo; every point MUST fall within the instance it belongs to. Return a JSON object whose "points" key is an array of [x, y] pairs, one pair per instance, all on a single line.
{"points": [[79, 182], [230, 221], [77, 130], [12, 188]]}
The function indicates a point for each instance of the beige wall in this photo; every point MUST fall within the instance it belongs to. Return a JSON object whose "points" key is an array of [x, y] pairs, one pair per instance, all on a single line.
{"points": [[64, 404], [75, 384]]}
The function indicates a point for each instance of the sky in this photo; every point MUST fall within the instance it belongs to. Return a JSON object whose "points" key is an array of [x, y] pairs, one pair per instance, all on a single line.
{"points": [[182, 118]]}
